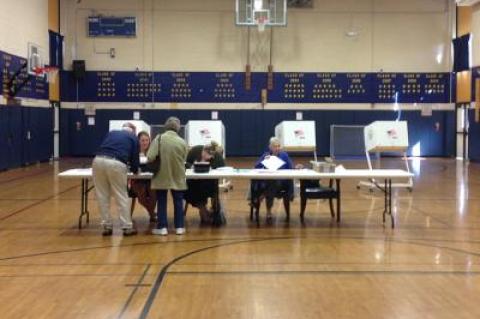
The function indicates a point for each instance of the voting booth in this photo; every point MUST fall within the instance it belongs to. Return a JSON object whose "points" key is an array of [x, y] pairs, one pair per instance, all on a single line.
{"points": [[386, 136], [140, 125], [203, 132], [297, 136], [159, 129]]}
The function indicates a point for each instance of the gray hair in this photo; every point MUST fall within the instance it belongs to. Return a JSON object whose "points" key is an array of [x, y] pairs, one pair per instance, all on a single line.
{"points": [[172, 124], [129, 127], [275, 140]]}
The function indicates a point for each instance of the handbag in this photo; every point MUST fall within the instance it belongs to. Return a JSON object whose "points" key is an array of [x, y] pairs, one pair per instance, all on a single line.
{"points": [[154, 167]]}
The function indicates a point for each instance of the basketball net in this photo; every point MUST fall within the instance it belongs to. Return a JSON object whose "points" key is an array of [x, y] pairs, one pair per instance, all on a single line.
{"points": [[49, 72], [261, 23]]}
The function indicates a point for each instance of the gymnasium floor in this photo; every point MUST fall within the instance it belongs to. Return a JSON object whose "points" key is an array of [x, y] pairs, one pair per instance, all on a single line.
{"points": [[425, 268]]}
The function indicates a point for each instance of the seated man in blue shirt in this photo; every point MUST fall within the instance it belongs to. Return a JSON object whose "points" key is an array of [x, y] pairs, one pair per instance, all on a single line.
{"points": [[269, 189], [119, 150]]}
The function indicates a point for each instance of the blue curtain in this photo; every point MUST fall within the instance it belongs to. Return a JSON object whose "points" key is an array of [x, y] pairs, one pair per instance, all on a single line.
{"points": [[461, 54], [56, 49]]}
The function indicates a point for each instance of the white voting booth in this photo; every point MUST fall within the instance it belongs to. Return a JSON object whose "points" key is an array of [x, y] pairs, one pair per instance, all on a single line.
{"points": [[386, 136], [383, 136], [140, 125], [203, 132], [297, 136]]}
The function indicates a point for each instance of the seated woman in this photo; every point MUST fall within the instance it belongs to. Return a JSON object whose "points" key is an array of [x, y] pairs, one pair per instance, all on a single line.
{"points": [[140, 188], [200, 190], [269, 189]]}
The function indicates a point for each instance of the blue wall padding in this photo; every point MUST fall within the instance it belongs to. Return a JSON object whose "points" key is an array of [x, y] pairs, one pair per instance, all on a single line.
{"points": [[473, 137], [15, 123]]}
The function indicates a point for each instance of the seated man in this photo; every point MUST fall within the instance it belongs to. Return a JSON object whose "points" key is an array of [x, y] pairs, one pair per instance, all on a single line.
{"points": [[200, 190], [269, 189]]}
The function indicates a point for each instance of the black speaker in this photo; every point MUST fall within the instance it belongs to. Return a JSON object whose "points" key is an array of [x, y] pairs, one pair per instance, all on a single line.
{"points": [[78, 68]]}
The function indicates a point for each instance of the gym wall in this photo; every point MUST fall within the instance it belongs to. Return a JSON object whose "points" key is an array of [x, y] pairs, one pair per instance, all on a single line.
{"points": [[26, 129], [191, 35], [188, 36]]}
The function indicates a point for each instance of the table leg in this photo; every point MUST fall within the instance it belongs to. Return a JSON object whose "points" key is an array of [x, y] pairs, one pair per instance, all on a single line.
{"points": [[87, 190], [82, 205], [390, 202], [216, 205], [385, 203], [339, 205]]}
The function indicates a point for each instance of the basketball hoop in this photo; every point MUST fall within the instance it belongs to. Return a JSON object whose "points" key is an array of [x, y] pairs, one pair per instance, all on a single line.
{"points": [[261, 23], [49, 72]]}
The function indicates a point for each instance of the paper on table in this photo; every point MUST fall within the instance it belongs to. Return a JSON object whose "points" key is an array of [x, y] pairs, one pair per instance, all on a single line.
{"points": [[264, 171], [225, 168], [273, 162]]}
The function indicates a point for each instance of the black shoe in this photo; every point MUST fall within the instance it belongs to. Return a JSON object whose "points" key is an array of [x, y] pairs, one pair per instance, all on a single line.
{"points": [[269, 219], [153, 219], [205, 222], [129, 232], [107, 232]]}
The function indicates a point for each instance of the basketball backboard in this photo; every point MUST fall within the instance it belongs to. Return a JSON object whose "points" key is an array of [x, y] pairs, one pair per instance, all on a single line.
{"points": [[254, 12], [36, 58]]}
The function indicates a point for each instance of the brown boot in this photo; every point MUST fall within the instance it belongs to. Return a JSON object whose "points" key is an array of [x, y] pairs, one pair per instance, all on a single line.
{"points": [[205, 217]]}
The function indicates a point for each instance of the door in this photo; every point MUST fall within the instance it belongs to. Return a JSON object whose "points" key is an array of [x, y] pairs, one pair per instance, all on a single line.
{"points": [[14, 136], [3, 138]]}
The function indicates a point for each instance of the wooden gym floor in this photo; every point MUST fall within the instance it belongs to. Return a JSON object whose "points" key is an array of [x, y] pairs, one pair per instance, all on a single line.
{"points": [[428, 267]]}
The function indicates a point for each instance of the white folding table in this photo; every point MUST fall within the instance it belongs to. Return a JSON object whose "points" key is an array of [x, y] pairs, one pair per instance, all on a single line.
{"points": [[387, 175]]}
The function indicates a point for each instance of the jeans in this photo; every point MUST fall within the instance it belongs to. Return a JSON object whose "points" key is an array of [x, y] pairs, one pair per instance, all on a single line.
{"points": [[177, 208]]}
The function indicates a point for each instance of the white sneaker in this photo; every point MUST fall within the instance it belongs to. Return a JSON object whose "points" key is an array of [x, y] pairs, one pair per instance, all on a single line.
{"points": [[161, 231], [180, 231]]}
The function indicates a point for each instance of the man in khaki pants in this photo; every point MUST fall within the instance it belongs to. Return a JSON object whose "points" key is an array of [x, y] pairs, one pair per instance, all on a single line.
{"points": [[110, 167]]}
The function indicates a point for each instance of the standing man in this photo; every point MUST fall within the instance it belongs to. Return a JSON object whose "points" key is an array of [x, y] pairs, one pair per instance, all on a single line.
{"points": [[110, 167]]}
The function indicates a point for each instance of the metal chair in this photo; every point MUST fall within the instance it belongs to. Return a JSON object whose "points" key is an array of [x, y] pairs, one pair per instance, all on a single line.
{"points": [[256, 193], [312, 189]]}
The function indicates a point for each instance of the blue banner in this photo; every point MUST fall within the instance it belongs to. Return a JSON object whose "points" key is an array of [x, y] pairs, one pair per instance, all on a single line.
{"points": [[229, 87], [14, 76]]}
